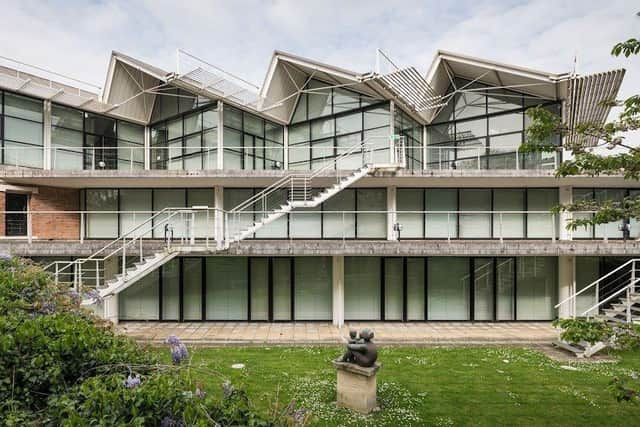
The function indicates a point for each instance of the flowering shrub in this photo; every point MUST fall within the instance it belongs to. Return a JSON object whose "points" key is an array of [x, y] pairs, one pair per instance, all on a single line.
{"points": [[60, 365]]}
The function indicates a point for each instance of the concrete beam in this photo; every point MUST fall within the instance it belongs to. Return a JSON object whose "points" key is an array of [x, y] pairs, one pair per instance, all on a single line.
{"points": [[566, 284]]}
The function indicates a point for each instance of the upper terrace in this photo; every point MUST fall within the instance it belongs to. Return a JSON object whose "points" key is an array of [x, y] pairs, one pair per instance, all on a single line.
{"points": [[466, 114]]}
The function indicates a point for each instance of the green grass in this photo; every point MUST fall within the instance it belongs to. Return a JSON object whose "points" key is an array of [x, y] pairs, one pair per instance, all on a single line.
{"points": [[430, 386]]}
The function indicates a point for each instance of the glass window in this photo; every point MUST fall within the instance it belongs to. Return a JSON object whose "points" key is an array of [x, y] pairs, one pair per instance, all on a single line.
{"points": [[505, 289], [362, 288], [140, 301], [415, 288], [544, 223], [313, 288], [344, 100], [587, 271], [470, 104], [102, 225], [505, 223], [475, 224], [138, 204], [227, 288], [349, 123], [319, 99], [282, 288], [371, 225], [441, 225], [23, 107], [411, 199], [483, 278], [322, 128], [171, 290], [339, 218], [192, 288], [393, 288], [505, 123], [537, 288], [259, 282], [448, 281], [471, 129]]}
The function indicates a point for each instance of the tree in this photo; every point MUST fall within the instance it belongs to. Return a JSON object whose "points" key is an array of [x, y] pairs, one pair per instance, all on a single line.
{"points": [[624, 161]]}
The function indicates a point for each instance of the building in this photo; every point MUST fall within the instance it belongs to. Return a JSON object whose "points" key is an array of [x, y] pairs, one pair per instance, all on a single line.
{"points": [[325, 194]]}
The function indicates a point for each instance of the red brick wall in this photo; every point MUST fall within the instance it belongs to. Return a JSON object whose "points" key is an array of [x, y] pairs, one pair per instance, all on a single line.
{"points": [[62, 226]]}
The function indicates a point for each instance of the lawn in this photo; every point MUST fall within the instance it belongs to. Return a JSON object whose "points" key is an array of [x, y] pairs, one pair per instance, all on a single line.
{"points": [[445, 386]]}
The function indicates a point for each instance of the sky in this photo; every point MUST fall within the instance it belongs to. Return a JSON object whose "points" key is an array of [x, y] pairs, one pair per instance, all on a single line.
{"points": [[76, 37]]}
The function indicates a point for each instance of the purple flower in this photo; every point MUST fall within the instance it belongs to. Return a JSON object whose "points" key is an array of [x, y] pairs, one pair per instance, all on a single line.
{"points": [[179, 353], [74, 295], [132, 382], [227, 389], [94, 296], [170, 422], [172, 340], [5, 257], [48, 308]]}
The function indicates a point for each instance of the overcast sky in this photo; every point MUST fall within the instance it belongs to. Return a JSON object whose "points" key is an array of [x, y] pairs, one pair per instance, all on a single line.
{"points": [[76, 38]]}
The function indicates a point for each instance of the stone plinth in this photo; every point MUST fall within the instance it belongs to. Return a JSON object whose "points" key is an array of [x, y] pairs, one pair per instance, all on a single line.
{"points": [[356, 387]]}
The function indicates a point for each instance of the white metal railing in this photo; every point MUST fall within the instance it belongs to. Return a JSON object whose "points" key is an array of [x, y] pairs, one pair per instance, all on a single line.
{"points": [[627, 272], [467, 157]]}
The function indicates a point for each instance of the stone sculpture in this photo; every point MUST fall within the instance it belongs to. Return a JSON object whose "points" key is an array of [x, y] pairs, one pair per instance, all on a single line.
{"points": [[360, 349]]}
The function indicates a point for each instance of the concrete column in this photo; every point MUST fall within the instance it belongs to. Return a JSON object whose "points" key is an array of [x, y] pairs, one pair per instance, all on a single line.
{"points": [[565, 196], [392, 217], [219, 217], [338, 290], [220, 156], [110, 305], [425, 154], [147, 148], [285, 145], [46, 142], [392, 130], [566, 284]]}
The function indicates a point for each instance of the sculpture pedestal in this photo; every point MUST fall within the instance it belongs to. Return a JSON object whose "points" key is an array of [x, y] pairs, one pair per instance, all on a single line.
{"points": [[357, 387]]}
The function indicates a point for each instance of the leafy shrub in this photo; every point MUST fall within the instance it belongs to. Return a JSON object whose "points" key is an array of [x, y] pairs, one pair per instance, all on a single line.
{"points": [[580, 330], [60, 365]]}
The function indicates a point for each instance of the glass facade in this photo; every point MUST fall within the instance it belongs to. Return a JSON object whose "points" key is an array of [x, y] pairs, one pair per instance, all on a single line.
{"points": [[611, 230], [482, 128], [411, 130], [186, 142], [327, 122], [81, 140], [375, 288], [137, 205], [353, 213], [251, 142], [21, 130], [451, 213]]}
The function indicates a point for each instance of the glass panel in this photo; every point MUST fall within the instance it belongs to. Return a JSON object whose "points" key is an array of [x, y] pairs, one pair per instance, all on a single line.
{"points": [[322, 128], [168, 198], [259, 288], [587, 271], [227, 288], [23, 107], [210, 119], [281, 288], [67, 149], [505, 123], [344, 100], [470, 104], [582, 194], [192, 288], [319, 99], [377, 117], [340, 224], [411, 199], [393, 288], [204, 219], [441, 133], [313, 289], [506, 274], [274, 132], [300, 113], [471, 129], [253, 125], [232, 117], [441, 225], [542, 224], [505, 224], [362, 288], [448, 281], [192, 123], [503, 151], [609, 230], [483, 288], [232, 198], [371, 225], [349, 123], [415, 288], [26, 131], [102, 225], [475, 225], [171, 290], [305, 225], [138, 202], [140, 301], [500, 100], [537, 288], [66, 117]]}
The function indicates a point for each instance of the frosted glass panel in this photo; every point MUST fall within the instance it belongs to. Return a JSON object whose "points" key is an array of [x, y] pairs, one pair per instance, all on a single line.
{"points": [[506, 273], [278, 228], [139, 202], [542, 224], [102, 225], [259, 288], [411, 199], [609, 230], [393, 298], [448, 281], [227, 288], [192, 288], [505, 224], [483, 288], [313, 290], [306, 223], [140, 301], [587, 271], [373, 225], [340, 224], [537, 288], [170, 198], [475, 225], [415, 288], [232, 198], [441, 225], [204, 220], [362, 288], [171, 290], [580, 194], [281, 288]]}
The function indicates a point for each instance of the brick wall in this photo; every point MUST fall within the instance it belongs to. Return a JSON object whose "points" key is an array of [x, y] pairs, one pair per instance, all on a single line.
{"points": [[59, 226]]}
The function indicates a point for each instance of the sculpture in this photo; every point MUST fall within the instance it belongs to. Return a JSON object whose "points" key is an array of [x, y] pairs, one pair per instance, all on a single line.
{"points": [[360, 349]]}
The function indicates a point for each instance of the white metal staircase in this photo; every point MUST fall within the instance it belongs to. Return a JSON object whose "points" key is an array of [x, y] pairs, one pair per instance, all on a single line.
{"points": [[616, 296], [301, 192]]}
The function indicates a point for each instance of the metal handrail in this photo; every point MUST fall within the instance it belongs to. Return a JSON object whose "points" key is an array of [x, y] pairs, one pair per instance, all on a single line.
{"points": [[610, 297], [595, 283]]}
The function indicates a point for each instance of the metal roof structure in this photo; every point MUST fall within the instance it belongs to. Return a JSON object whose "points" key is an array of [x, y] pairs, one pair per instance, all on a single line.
{"points": [[408, 85]]}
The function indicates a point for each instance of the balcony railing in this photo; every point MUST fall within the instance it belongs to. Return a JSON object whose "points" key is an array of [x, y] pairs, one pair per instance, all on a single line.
{"points": [[211, 224]]}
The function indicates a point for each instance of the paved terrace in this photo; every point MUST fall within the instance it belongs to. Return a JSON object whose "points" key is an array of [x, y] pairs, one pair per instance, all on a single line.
{"points": [[324, 333]]}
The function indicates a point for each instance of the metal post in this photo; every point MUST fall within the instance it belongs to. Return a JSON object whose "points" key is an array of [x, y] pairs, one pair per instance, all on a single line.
{"points": [[82, 226], [192, 228], [124, 258], [97, 274], [55, 277], [517, 159], [501, 239], [448, 226]]}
